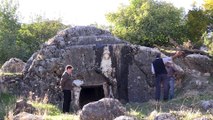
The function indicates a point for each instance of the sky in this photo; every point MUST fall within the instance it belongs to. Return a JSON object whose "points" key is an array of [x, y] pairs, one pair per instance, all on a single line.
{"points": [[77, 12]]}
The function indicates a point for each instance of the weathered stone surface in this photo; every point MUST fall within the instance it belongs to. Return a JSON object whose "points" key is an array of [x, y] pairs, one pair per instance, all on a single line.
{"points": [[202, 118], [27, 116], [96, 55], [207, 105], [198, 62], [104, 109], [23, 106], [125, 118], [165, 116], [14, 65], [11, 83]]}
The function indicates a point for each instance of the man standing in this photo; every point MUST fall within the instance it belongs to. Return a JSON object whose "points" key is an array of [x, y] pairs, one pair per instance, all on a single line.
{"points": [[66, 85], [170, 74], [159, 69]]}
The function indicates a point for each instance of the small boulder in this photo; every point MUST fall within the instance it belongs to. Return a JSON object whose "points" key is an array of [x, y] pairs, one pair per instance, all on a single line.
{"points": [[23, 106], [125, 118], [202, 118], [27, 116], [207, 105], [201, 63], [165, 116], [14, 65], [104, 109]]}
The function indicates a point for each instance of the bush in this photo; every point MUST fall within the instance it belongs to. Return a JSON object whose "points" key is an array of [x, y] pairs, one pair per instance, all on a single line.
{"points": [[7, 102]]}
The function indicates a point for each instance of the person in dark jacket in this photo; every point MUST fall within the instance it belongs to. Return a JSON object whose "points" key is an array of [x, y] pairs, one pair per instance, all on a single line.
{"points": [[66, 85], [159, 69]]}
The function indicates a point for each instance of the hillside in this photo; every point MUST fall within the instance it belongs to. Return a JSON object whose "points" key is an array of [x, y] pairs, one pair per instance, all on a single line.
{"points": [[187, 104]]}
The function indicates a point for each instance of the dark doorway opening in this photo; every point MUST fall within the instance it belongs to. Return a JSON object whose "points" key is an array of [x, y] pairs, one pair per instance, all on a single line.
{"points": [[90, 93]]}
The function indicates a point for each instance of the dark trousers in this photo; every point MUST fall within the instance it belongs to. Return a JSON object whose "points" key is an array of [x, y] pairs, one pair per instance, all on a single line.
{"points": [[67, 100], [161, 78]]}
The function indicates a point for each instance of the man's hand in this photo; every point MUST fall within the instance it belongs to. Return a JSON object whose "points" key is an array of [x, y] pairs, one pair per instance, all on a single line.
{"points": [[178, 54]]}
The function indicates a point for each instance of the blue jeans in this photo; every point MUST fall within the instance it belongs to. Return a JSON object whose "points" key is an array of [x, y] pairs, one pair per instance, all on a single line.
{"points": [[171, 87], [164, 79]]}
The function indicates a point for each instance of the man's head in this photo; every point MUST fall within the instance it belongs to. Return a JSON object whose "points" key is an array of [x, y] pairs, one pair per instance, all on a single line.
{"points": [[158, 55], [69, 69]]}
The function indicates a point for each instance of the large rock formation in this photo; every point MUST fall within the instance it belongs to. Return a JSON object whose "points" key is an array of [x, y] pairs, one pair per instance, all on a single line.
{"points": [[109, 66], [122, 69]]}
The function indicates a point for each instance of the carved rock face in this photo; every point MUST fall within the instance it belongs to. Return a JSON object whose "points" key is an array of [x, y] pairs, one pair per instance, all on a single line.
{"points": [[97, 56]]}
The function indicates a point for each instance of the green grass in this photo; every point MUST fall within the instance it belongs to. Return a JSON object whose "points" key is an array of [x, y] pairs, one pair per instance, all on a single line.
{"points": [[7, 101], [62, 117], [51, 112], [183, 108], [210, 79], [9, 74], [48, 109]]}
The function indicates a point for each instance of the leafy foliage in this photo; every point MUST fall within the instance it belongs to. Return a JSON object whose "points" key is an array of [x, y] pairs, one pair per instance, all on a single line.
{"points": [[197, 23], [147, 22], [9, 27], [22, 40], [31, 36], [46, 108], [208, 35], [208, 41], [7, 101], [208, 4], [208, 7]]}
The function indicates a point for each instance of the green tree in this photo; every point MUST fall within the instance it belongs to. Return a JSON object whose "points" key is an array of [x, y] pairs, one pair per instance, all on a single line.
{"points": [[208, 41], [208, 5], [197, 23], [9, 27], [208, 36], [31, 36], [147, 22], [208, 9]]}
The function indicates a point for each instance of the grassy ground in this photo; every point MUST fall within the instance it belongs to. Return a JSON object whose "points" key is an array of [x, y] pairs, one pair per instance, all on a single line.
{"points": [[182, 108], [47, 111], [185, 106], [9, 74], [7, 102], [51, 112]]}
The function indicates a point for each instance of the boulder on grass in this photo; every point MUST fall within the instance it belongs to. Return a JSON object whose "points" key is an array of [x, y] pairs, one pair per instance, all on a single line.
{"points": [[104, 109]]}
